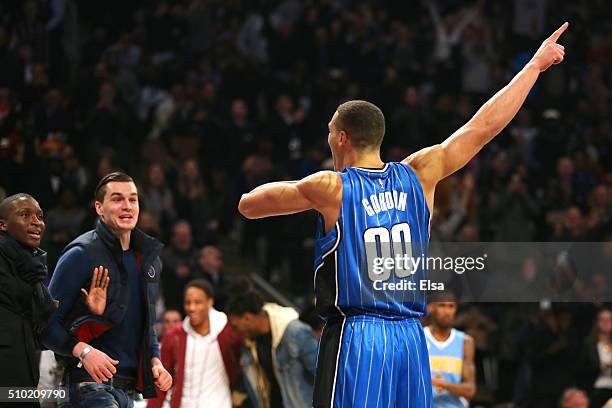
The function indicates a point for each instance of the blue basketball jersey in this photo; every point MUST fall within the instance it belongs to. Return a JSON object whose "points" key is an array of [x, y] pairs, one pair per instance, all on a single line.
{"points": [[368, 264], [446, 361]]}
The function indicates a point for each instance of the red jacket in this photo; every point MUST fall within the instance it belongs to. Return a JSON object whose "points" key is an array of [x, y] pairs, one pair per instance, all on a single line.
{"points": [[173, 348]]}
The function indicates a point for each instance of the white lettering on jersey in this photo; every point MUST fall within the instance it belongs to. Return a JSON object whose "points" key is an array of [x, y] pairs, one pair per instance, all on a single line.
{"points": [[368, 208], [374, 202], [384, 201]]}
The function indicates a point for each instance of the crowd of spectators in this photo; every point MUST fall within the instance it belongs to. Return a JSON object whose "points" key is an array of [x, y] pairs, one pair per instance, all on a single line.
{"points": [[202, 100]]}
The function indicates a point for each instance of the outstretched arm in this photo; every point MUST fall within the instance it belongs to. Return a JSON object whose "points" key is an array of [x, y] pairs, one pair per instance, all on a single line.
{"points": [[436, 162], [321, 191]]}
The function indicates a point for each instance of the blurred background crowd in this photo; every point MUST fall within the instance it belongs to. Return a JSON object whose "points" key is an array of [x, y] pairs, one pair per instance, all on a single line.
{"points": [[202, 100]]}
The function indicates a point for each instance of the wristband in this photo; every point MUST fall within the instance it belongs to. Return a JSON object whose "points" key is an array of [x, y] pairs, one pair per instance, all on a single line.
{"points": [[85, 352]]}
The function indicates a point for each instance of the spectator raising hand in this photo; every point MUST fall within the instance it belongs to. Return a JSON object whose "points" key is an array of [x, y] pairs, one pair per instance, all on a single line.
{"points": [[96, 297]]}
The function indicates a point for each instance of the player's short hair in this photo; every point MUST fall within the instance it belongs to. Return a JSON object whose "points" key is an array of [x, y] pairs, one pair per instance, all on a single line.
{"points": [[364, 123], [441, 296], [202, 284], [245, 299], [100, 190], [7, 203]]}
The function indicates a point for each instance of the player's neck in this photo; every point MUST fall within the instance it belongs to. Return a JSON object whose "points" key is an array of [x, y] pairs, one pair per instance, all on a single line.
{"points": [[440, 333], [368, 159]]}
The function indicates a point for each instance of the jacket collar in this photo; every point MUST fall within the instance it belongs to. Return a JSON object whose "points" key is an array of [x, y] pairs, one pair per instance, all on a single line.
{"points": [[108, 237], [16, 246], [217, 321], [31, 263], [280, 317], [139, 241]]}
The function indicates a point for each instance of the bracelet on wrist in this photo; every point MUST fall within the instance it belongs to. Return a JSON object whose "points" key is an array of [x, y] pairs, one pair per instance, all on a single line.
{"points": [[85, 352]]}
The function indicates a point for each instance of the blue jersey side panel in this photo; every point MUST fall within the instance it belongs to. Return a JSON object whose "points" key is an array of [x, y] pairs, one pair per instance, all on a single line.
{"points": [[383, 215]]}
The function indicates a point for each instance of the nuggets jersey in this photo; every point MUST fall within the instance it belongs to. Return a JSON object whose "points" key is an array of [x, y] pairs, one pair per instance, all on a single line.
{"points": [[383, 218], [446, 360]]}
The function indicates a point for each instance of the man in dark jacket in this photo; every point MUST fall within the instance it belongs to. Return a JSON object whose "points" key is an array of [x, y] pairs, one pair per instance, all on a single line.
{"points": [[25, 303], [108, 357], [177, 259], [209, 266]]}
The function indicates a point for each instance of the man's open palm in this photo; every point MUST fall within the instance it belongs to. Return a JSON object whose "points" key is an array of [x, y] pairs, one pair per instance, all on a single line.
{"points": [[550, 53], [96, 297]]}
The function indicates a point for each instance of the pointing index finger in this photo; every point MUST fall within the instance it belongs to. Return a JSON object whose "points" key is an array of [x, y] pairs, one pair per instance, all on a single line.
{"points": [[555, 36]]}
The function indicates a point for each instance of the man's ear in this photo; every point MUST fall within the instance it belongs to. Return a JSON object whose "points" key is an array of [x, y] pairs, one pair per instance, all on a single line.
{"points": [[342, 138], [430, 308], [98, 207], [3, 226]]}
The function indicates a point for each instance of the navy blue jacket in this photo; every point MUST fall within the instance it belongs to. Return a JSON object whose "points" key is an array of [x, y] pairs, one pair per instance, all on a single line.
{"points": [[103, 248]]}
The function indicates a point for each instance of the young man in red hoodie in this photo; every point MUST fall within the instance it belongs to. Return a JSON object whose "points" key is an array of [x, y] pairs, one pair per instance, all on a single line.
{"points": [[202, 354]]}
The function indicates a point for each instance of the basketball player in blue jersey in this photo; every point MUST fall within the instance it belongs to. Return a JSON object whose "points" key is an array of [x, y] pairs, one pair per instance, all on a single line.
{"points": [[451, 356], [372, 351]]}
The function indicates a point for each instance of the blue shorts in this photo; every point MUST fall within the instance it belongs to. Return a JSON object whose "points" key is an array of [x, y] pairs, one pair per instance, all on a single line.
{"points": [[369, 362]]}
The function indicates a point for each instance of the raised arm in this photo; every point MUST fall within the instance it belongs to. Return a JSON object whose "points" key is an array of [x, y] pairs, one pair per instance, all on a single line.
{"points": [[69, 276], [436, 162], [321, 191], [71, 273]]}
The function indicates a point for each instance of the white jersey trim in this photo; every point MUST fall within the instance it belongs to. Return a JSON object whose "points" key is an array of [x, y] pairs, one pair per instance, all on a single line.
{"points": [[373, 170], [440, 344], [333, 248]]}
